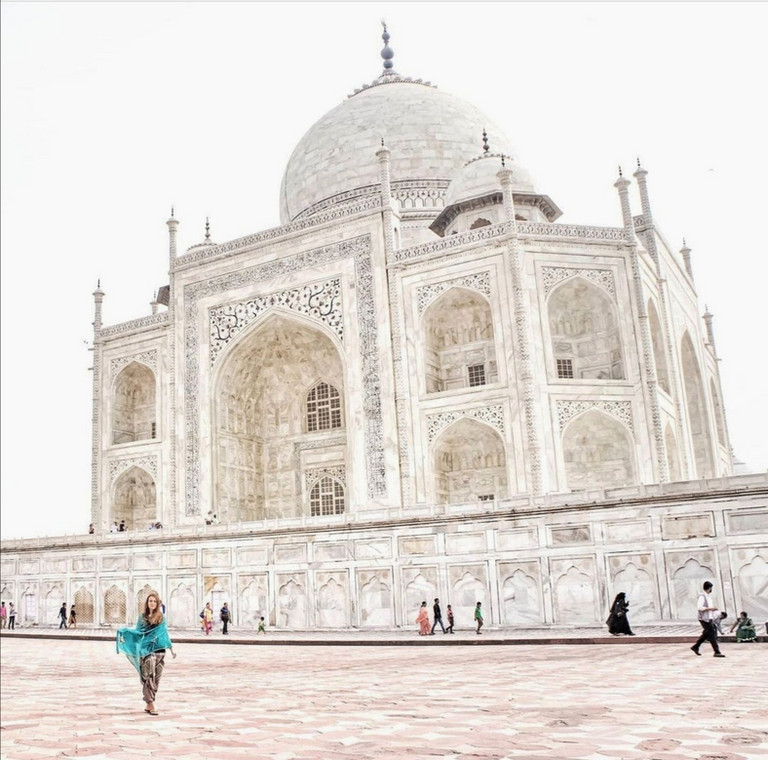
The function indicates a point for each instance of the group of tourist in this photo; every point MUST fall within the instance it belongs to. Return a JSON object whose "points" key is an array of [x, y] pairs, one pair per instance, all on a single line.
{"points": [[7, 615], [710, 619], [67, 621], [422, 619]]}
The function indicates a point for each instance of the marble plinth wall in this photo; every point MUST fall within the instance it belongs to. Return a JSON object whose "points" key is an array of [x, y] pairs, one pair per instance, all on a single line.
{"points": [[532, 565]]}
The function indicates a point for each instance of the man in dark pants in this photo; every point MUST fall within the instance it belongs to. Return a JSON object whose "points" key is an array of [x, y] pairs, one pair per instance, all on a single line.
{"points": [[63, 615], [224, 615], [707, 614], [438, 616]]}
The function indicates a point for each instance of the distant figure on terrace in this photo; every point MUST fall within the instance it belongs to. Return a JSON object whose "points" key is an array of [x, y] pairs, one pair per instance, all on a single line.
{"points": [[618, 622], [63, 615], [745, 631], [423, 620], [72, 617]]}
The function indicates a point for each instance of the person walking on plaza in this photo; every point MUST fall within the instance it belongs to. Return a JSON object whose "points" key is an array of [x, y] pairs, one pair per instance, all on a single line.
{"points": [[478, 617], [438, 617], [224, 616], [145, 647], [449, 616], [63, 615], [262, 627], [423, 620], [72, 617], [207, 618], [707, 613], [11, 617], [3, 615], [745, 631], [618, 622]]}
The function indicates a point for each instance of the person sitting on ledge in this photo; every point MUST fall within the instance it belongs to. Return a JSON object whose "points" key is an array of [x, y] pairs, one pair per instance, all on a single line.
{"points": [[745, 631]]}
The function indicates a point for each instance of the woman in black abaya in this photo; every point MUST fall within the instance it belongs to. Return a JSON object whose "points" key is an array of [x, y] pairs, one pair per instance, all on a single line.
{"points": [[617, 619]]}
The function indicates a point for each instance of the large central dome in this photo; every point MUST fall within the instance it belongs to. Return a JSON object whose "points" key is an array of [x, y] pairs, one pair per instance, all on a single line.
{"points": [[430, 134]]}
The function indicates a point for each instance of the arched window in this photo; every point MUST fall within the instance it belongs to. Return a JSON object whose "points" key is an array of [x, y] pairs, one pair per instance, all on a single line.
{"points": [[323, 408], [326, 498], [598, 453], [459, 347], [584, 324], [659, 350], [133, 405], [698, 418]]}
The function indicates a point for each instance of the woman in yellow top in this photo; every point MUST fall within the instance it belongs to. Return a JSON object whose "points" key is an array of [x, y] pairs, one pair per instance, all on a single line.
{"points": [[207, 618]]}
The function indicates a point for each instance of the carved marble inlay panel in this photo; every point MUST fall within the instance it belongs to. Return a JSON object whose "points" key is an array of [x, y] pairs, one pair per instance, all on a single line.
{"points": [[479, 281], [554, 275], [145, 357], [320, 300], [338, 472], [359, 250], [567, 410], [118, 466], [493, 415]]}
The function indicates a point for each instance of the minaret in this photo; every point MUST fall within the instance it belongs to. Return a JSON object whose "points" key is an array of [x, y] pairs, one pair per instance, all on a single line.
{"points": [[166, 506], [96, 517], [710, 333], [661, 284], [648, 367], [685, 252], [153, 304], [524, 361]]}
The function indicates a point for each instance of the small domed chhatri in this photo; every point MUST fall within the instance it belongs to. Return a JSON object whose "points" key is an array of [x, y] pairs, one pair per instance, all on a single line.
{"points": [[420, 385]]}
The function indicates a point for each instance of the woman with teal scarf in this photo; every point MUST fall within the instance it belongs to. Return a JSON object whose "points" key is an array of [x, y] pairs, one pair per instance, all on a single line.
{"points": [[145, 647]]}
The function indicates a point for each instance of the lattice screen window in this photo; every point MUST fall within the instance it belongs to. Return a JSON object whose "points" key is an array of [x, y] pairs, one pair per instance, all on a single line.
{"points": [[114, 605], [326, 498], [323, 408], [486, 497], [565, 368], [476, 375]]}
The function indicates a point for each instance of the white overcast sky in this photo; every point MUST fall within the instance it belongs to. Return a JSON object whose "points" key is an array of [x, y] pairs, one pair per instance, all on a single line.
{"points": [[113, 112]]}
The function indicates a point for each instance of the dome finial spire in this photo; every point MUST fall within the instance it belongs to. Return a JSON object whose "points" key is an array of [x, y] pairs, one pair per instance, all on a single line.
{"points": [[486, 147], [387, 53], [207, 230]]}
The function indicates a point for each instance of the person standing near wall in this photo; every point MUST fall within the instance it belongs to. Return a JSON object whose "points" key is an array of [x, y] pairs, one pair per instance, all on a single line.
{"points": [[707, 613], [3, 614], [478, 617], [63, 615], [224, 615], [11, 617]]}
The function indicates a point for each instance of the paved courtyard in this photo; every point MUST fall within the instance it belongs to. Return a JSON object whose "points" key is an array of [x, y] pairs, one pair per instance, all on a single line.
{"points": [[75, 698]]}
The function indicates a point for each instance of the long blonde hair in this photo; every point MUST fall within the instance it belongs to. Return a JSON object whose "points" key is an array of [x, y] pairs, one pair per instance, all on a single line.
{"points": [[156, 617]]}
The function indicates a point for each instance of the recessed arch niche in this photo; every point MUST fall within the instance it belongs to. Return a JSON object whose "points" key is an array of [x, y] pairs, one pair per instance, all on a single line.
{"points": [[719, 416], [598, 452], [133, 404], [696, 405], [659, 349], [469, 464], [135, 499], [673, 455], [260, 416], [459, 348], [584, 325]]}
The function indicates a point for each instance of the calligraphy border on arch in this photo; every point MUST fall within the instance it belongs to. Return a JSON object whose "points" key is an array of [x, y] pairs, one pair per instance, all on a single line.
{"points": [[148, 358], [552, 276], [359, 250], [119, 466], [480, 281], [320, 300], [493, 415], [567, 410]]}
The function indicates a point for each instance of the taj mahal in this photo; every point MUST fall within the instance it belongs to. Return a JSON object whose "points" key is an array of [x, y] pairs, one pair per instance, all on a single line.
{"points": [[418, 385]]}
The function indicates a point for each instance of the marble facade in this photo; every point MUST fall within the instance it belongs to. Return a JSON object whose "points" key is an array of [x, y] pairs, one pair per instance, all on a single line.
{"points": [[530, 561], [419, 338]]}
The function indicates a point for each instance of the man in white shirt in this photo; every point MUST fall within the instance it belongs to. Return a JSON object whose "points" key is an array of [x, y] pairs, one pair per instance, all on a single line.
{"points": [[707, 614]]}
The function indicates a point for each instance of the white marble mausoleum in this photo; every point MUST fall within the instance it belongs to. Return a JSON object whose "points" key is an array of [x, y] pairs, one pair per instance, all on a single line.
{"points": [[419, 385]]}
